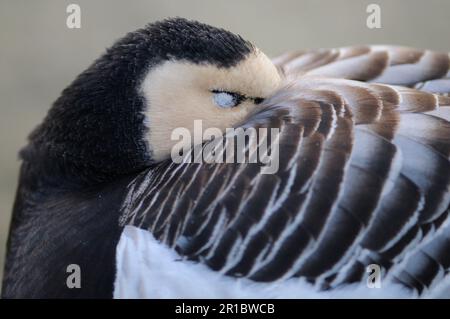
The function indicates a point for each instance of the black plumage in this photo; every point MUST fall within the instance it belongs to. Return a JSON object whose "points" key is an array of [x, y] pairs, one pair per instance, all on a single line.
{"points": [[94, 131], [78, 161]]}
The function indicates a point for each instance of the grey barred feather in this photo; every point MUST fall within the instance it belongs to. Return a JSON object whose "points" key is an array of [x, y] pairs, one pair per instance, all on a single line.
{"points": [[377, 63], [364, 178]]}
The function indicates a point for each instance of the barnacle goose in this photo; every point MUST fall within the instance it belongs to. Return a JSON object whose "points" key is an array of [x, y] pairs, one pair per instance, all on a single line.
{"points": [[363, 174]]}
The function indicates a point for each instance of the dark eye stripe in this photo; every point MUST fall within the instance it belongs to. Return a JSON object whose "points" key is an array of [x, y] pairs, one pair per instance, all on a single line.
{"points": [[258, 100]]}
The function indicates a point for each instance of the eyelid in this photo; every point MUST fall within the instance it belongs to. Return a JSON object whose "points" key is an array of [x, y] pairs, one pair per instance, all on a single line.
{"points": [[240, 97]]}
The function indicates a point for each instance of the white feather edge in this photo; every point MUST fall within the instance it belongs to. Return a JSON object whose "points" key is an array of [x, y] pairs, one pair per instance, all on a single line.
{"points": [[148, 269]]}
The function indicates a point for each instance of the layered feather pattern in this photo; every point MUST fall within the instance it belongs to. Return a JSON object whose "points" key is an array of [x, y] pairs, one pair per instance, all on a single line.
{"points": [[364, 177]]}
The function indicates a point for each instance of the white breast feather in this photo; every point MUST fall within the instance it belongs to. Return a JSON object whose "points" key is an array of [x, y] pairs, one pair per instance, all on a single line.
{"points": [[148, 269]]}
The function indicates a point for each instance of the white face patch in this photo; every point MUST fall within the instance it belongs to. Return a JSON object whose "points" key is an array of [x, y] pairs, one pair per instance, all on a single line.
{"points": [[179, 93]]}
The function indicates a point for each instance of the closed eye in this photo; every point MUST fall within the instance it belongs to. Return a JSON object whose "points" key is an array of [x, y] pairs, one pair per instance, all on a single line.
{"points": [[226, 99]]}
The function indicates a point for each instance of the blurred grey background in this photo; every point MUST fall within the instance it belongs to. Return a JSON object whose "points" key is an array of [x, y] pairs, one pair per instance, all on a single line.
{"points": [[39, 55]]}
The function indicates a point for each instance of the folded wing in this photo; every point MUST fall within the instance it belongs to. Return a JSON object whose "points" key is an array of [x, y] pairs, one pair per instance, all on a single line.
{"points": [[363, 178]]}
